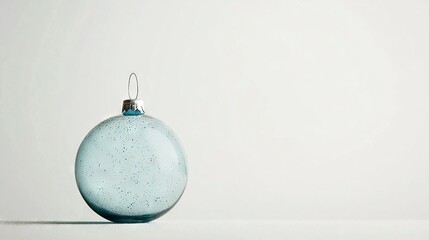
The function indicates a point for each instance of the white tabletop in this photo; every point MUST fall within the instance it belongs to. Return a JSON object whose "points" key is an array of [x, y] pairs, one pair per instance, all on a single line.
{"points": [[218, 229]]}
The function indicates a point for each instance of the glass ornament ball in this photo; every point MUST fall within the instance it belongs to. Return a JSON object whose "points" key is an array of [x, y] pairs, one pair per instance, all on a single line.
{"points": [[131, 168]]}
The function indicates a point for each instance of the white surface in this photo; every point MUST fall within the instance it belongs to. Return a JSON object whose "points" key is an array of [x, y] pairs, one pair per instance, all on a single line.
{"points": [[311, 230], [286, 109]]}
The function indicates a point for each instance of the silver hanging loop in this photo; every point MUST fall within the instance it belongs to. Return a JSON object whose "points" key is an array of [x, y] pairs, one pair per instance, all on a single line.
{"points": [[137, 82]]}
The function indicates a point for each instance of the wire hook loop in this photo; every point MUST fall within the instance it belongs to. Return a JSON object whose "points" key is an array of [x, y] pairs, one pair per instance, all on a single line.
{"points": [[137, 82]]}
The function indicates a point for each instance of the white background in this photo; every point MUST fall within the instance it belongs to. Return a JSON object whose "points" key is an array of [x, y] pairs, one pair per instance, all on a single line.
{"points": [[288, 110]]}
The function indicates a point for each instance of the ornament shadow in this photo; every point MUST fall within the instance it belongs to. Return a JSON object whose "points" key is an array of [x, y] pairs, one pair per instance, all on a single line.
{"points": [[55, 222]]}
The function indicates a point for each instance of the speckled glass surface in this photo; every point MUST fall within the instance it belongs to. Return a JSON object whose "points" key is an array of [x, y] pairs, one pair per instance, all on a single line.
{"points": [[131, 168]]}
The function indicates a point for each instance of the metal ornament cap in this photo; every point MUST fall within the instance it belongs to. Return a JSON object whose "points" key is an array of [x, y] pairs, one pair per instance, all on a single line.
{"points": [[132, 107]]}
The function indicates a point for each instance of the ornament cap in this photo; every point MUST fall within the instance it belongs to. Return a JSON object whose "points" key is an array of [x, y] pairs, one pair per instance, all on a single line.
{"points": [[132, 107]]}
